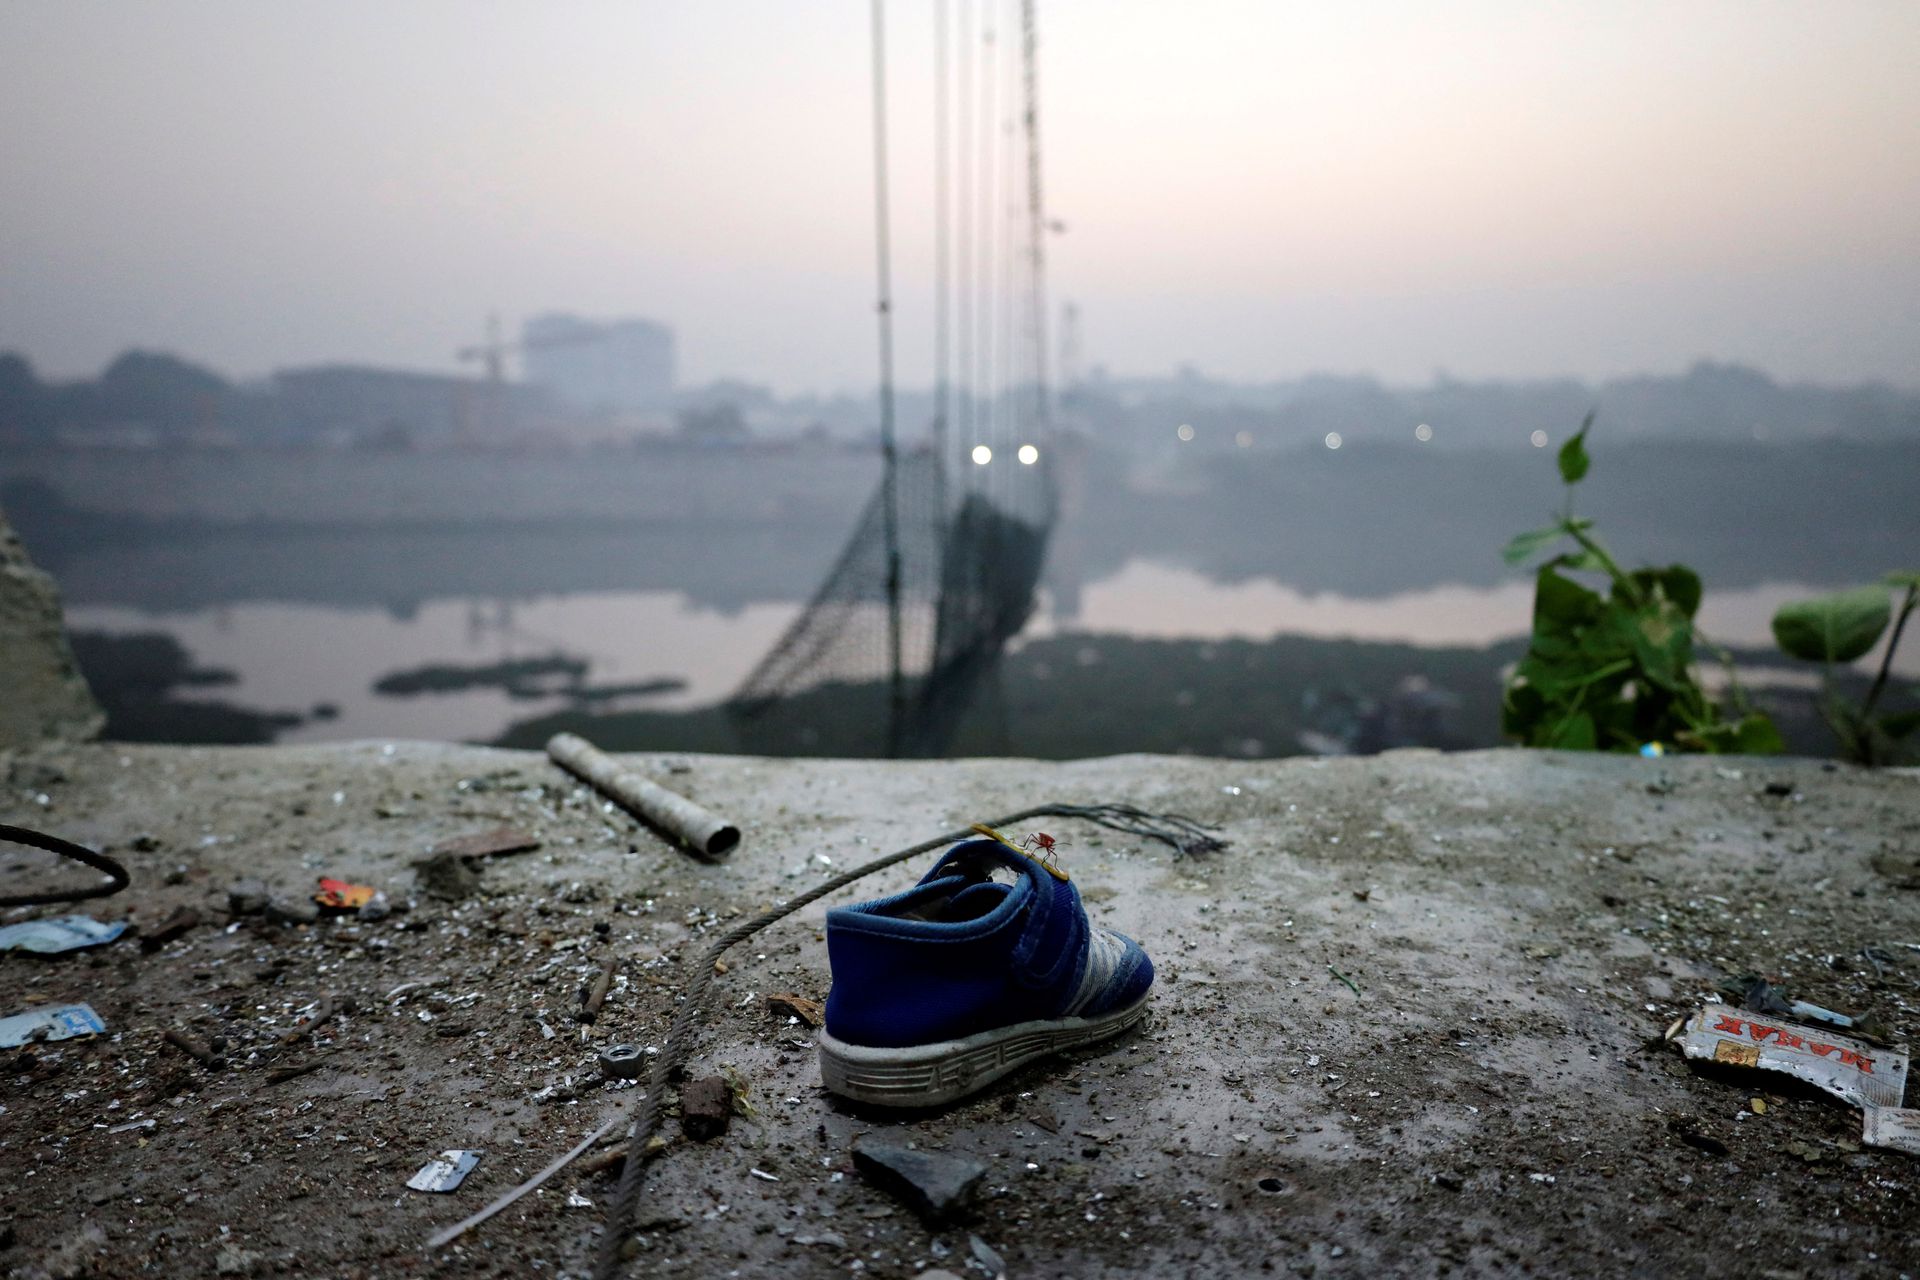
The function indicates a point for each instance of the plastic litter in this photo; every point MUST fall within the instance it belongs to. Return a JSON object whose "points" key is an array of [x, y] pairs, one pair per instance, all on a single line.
{"points": [[1851, 1070], [338, 895], [60, 933], [1866, 1076], [445, 1171], [54, 1022]]}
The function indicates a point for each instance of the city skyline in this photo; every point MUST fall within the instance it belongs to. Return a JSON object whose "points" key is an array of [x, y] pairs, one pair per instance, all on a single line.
{"points": [[1496, 192]]}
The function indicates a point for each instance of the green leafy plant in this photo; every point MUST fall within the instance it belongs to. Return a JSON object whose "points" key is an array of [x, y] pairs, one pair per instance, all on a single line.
{"points": [[1841, 628], [1612, 669]]}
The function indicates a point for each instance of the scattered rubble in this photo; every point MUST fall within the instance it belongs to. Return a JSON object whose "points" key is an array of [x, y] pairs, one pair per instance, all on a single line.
{"points": [[445, 1172], [706, 1108], [935, 1184], [60, 933]]}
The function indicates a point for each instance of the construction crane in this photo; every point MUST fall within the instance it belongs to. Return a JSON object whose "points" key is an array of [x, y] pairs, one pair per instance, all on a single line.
{"points": [[493, 352], [493, 355]]}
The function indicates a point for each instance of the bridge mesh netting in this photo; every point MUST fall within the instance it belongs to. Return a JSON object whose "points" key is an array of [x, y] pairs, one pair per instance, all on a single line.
{"points": [[968, 570]]}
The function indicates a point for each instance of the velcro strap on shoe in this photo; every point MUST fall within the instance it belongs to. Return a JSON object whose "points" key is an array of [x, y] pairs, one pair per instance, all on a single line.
{"points": [[1054, 940]]}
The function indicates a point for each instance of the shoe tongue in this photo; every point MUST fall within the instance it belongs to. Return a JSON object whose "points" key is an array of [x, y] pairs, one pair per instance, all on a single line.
{"points": [[976, 900]]}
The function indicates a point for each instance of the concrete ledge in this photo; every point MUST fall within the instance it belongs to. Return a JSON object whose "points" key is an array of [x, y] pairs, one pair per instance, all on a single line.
{"points": [[1520, 928], [42, 694]]}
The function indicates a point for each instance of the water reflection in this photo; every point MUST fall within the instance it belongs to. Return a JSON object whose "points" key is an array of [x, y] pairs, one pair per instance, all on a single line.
{"points": [[682, 655]]}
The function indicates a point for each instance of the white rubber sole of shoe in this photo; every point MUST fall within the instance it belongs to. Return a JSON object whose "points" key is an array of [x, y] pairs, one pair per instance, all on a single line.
{"points": [[928, 1075]]}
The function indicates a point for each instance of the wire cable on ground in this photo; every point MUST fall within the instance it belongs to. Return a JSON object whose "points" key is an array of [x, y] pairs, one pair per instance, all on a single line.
{"points": [[1183, 835], [66, 849]]}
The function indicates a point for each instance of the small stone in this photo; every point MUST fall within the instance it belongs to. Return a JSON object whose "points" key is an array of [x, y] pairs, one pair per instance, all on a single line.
{"points": [[232, 1260], [247, 897], [448, 876], [293, 910], [984, 1254], [935, 1184], [706, 1108]]}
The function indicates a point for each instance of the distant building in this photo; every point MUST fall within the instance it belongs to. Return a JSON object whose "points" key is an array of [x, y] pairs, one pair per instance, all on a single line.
{"points": [[361, 402], [612, 366]]}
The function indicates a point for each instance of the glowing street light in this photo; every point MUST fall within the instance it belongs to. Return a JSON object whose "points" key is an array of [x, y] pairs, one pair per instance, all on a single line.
{"points": [[1333, 439], [1539, 439], [982, 455], [1028, 455], [1423, 433], [1184, 431]]}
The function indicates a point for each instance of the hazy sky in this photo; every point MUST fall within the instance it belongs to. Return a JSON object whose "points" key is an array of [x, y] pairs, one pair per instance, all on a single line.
{"points": [[1262, 189]]}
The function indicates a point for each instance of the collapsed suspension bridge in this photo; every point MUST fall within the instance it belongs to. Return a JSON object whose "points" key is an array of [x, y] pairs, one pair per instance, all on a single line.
{"points": [[941, 569]]}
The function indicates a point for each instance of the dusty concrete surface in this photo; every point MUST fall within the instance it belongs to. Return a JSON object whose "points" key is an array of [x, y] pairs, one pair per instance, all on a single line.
{"points": [[1492, 1100], [42, 694]]}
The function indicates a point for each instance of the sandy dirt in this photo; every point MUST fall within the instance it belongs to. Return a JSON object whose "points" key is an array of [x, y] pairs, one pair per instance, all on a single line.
{"points": [[1494, 1098]]}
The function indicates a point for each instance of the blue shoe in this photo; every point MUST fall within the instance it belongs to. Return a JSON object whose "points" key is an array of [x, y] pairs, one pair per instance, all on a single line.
{"points": [[941, 990]]}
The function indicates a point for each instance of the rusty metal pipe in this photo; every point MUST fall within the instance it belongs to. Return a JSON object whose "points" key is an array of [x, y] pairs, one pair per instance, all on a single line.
{"points": [[699, 830]]}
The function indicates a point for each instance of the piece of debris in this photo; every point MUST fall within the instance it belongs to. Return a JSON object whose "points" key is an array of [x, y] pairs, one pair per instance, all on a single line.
{"points": [[986, 1256], [247, 897], [1344, 978], [811, 1012], [204, 1054], [60, 933], [488, 844], [292, 910], [447, 876], [376, 908], [1867, 1076], [338, 895], [293, 1071], [1851, 1070], [1685, 1130], [1757, 995], [935, 1184], [694, 827], [706, 1108], [1897, 1128], [174, 926], [1901, 868], [52, 1022], [595, 995], [445, 1171], [323, 1009], [506, 1198], [623, 1062]]}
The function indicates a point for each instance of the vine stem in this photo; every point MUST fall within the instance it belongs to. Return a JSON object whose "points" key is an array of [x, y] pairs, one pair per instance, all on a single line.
{"points": [[1886, 659], [1592, 547]]}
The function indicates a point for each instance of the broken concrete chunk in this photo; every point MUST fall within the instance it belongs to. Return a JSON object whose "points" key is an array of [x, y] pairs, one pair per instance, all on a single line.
{"points": [[447, 876], [488, 844], [247, 897], [706, 1108], [1902, 868], [290, 910], [172, 927], [935, 1184]]}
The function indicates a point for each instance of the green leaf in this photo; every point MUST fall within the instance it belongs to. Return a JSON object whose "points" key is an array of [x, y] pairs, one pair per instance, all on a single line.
{"points": [[1680, 585], [1525, 545], [1903, 578], [1573, 454], [1757, 736], [1900, 724], [1833, 628], [1575, 733], [1663, 645]]}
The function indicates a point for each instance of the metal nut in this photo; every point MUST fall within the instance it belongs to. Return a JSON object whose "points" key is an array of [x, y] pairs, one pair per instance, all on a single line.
{"points": [[622, 1062]]}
